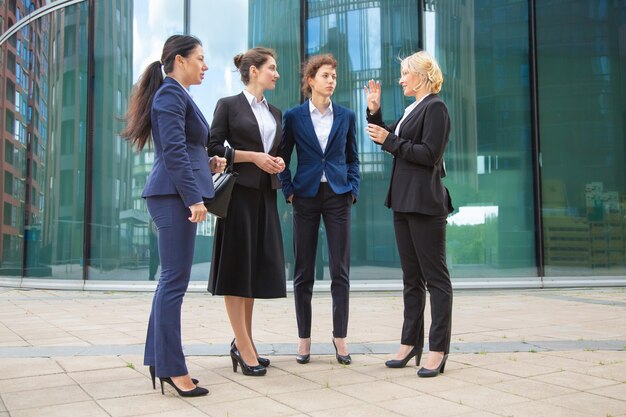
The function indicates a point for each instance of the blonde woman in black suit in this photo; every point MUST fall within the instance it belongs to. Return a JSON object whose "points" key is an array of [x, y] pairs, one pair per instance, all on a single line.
{"points": [[420, 205], [248, 260]]}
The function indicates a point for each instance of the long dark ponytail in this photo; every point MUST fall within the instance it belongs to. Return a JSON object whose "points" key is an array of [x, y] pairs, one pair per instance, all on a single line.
{"points": [[139, 126]]}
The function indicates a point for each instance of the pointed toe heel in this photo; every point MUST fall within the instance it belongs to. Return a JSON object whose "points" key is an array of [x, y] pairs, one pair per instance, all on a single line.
{"points": [[153, 377], [264, 362], [429, 373], [196, 392], [342, 359], [302, 359], [235, 356], [401, 363]]}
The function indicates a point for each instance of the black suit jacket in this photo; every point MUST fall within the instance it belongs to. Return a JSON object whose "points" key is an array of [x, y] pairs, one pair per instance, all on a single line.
{"points": [[234, 121], [416, 185]]}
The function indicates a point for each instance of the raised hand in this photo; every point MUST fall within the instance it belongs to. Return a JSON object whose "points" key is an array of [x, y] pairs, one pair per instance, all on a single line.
{"points": [[372, 93]]}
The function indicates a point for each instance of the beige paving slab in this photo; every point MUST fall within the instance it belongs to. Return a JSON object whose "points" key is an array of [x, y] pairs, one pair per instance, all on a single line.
{"points": [[574, 380], [315, 400], [519, 368], [431, 385], [279, 384], [254, 407], [45, 397], [120, 388], [361, 410], [480, 414], [335, 378], [105, 375], [145, 404], [377, 391], [481, 398], [590, 404], [538, 409], [410, 407], [615, 371], [35, 383], [224, 392], [531, 389], [89, 363], [83, 409], [23, 367], [617, 391], [189, 412], [479, 376]]}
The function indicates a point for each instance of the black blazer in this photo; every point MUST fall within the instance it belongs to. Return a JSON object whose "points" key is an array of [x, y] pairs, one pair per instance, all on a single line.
{"points": [[234, 121], [416, 185]]}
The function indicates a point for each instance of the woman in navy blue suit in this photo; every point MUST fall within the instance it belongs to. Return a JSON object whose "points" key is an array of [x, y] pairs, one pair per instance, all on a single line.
{"points": [[325, 185], [179, 181]]}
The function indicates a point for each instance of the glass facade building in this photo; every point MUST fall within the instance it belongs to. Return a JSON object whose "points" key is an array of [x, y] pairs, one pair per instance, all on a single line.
{"points": [[536, 163]]}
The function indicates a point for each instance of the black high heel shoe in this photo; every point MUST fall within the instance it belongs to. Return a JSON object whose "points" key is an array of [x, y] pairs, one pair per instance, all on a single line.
{"points": [[235, 356], [401, 363], [429, 373], [153, 377], [344, 360], [264, 362], [196, 392]]}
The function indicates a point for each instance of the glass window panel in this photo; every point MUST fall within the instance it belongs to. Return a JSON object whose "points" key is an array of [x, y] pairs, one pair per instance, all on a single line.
{"points": [[582, 103], [121, 241], [482, 48]]}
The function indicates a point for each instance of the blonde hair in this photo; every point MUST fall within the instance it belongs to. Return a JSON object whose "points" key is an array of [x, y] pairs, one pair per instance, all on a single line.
{"points": [[424, 63]]}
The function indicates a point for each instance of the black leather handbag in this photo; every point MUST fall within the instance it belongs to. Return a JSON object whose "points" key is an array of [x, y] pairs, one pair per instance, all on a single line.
{"points": [[223, 184]]}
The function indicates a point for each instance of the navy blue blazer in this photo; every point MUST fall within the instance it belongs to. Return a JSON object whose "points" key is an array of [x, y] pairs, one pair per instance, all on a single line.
{"points": [[180, 135], [339, 161]]}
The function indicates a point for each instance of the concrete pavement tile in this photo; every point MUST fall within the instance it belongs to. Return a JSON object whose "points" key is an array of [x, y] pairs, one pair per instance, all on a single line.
{"points": [[336, 378], [431, 385], [614, 371], [105, 375], [145, 404], [45, 397], [23, 367], [59, 341], [120, 388], [479, 376], [531, 389], [188, 412], [86, 408], [222, 393], [35, 382], [377, 391], [317, 363], [89, 363], [481, 398], [518, 368], [589, 404], [278, 384], [2, 407], [380, 371], [254, 407], [539, 409], [315, 400], [574, 380], [617, 391], [361, 410], [475, 359], [427, 404], [479, 414]]}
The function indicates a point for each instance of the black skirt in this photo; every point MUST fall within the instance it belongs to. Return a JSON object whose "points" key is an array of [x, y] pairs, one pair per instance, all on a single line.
{"points": [[248, 259]]}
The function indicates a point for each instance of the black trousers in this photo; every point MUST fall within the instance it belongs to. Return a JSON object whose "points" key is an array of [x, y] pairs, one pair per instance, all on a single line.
{"points": [[335, 210], [421, 243]]}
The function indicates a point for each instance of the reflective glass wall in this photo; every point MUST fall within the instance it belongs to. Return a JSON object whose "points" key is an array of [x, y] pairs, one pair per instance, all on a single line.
{"points": [[581, 51], [71, 188]]}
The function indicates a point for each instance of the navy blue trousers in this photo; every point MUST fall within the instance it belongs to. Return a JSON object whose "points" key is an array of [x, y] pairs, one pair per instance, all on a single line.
{"points": [[177, 235]]}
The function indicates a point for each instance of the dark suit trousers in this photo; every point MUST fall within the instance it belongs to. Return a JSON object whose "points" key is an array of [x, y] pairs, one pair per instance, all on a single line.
{"points": [[335, 210], [421, 243], [164, 349]]}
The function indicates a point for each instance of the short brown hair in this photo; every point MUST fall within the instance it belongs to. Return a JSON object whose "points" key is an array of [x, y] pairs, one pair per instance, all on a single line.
{"points": [[310, 68]]}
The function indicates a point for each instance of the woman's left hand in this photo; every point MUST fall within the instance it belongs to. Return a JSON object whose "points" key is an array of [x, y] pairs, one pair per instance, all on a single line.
{"points": [[281, 164], [217, 164], [377, 133]]}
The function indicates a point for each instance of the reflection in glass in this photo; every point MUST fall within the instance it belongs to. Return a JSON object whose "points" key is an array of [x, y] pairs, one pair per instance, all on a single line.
{"points": [[128, 37], [482, 48], [582, 136]]}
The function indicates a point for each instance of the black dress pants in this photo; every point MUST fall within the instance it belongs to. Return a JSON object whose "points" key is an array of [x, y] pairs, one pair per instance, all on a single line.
{"points": [[421, 243], [335, 210]]}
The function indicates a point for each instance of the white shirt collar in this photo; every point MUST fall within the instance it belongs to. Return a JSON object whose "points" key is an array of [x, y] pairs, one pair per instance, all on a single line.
{"points": [[252, 99], [312, 107]]}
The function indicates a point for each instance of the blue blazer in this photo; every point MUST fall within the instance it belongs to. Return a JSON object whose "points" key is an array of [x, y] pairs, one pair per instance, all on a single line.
{"points": [[180, 135], [339, 162]]}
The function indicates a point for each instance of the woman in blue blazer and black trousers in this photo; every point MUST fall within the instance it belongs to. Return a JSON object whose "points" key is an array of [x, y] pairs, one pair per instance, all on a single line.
{"points": [[421, 205], [175, 189], [325, 185]]}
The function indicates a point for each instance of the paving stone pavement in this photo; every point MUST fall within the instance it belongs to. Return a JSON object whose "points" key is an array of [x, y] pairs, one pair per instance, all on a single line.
{"points": [[514, 353]]}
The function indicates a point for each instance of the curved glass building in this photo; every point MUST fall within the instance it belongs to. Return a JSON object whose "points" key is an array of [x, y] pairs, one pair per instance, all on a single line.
{"points": [[536, 161]]}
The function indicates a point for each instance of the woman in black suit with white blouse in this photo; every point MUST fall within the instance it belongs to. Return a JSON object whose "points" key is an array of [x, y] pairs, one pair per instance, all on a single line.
{"points": [[421, 205], [248, 260]]}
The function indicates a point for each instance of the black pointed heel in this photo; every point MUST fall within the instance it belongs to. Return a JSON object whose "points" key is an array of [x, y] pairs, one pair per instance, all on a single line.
{"points": [[264, 362], [196, 392], [429, 373], [343, 360], [302, 359], [401, 363], [153, 377], [235, 356]]}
